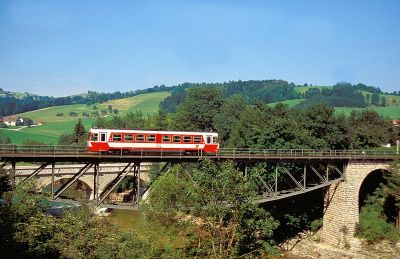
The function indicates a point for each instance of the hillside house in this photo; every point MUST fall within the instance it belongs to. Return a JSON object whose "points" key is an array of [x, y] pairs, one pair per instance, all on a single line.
{"points": [[10, 120]]}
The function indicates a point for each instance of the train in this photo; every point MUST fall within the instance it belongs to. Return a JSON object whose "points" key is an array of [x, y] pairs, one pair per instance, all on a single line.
{"points": [[151, 141]]}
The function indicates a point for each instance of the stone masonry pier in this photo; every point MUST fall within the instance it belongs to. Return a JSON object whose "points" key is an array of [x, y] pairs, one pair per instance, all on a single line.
{"points": [[342, 203]]}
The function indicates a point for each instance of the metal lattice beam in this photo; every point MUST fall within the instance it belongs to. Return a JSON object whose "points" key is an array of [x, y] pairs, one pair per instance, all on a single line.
{"points": [[38, 170], [72, 180], [111, 186]]}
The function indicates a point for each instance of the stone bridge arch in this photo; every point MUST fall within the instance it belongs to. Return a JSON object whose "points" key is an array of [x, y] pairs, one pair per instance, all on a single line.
{"points": [[342, 202], [79, 185]]}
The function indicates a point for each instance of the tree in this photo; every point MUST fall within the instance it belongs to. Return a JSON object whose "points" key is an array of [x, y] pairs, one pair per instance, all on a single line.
{"points": [[269, 128], [199, 109], [79, 131], [393, 186], [383, 101], [199, 200], [367, 129], [109, 108], [373, 225], [73, 114], [228, 115], [375, 99], [368, 98], [327, 130]]}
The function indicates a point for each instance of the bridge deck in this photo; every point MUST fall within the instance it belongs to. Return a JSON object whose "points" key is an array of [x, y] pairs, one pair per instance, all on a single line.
{"points": [[81, 155]]}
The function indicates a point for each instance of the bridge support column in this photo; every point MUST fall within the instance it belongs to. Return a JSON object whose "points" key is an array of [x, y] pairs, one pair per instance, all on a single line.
{"points": [[96, 184], [341, 212], [52, 179], [136, 196], [13, 174]]}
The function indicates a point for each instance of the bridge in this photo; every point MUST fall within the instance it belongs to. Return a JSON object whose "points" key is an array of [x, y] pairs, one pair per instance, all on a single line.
{"points": [[340, 172]]}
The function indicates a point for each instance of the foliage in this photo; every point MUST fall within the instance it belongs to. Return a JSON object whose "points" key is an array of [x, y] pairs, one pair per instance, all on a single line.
{"points": [[316, 225], [373, 224], [367, 129], [327, 130], [228, 115], [78, 137], [392, 187], [265, 90], [29, 231], [199, 109], [271, 128], [216, 205], [73, 114], [79, 131], [340, 95]]}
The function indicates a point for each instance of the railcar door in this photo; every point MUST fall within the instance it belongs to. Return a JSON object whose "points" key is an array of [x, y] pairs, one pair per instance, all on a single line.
{"points": [[103, 136]]}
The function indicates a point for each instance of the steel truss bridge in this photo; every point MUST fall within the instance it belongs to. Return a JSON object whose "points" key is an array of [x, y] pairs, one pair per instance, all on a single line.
{"points": [[295, 171]]}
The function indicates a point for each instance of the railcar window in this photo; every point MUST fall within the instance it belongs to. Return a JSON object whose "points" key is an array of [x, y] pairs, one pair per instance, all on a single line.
{"points": [[197, 139], [117, 137], [166, 138], [128, 137], [215, 140], [139, 137], [151, 138], [208, 139], [177, 139], [187, 139], [103, 137], [95, 137]]}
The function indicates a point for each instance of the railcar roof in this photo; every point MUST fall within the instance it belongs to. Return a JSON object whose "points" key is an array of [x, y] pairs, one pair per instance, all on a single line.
{"points": [[153, 131]]}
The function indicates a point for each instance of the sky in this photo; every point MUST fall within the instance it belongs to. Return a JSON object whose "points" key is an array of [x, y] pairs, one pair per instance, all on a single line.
{"points": [[67, 47]]}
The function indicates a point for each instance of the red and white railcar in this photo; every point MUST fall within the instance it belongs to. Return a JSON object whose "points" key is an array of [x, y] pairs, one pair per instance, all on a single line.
{"points": [[109, 140]]}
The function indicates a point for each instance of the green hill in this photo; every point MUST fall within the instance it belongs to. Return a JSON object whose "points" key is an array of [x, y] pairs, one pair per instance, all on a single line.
{"points": [[303, 89], [53, 126]]}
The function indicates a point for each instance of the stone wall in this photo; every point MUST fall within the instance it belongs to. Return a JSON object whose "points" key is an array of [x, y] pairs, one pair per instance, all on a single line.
{"points": [[342, 205]]}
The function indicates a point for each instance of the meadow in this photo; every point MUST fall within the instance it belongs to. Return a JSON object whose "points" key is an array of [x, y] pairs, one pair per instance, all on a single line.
{"points": [[54, 126], [389, 112]]}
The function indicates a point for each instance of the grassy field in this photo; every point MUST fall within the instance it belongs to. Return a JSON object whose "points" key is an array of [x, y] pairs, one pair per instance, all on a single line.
{"points": [[147, 103], [54, 126], [18, 137], [390, 112]]}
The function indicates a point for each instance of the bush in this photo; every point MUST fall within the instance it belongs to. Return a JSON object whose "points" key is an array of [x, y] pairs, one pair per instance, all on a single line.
{"points": [[316, 225], [60, 114], [373, 226], [73, 114]]}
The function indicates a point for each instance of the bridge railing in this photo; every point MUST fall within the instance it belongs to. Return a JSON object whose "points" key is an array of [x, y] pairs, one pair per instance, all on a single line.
{"points": [[243, 152], [41, 149], [55, 150]]}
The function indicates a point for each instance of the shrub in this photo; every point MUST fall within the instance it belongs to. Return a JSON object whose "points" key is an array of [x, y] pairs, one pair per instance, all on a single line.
{"points": [[373, 226]]}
